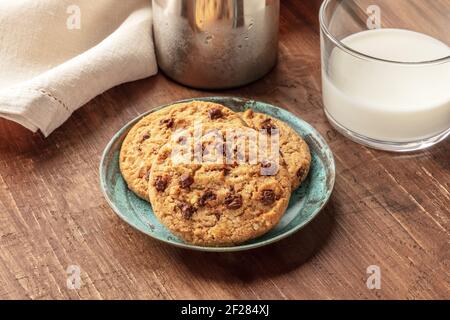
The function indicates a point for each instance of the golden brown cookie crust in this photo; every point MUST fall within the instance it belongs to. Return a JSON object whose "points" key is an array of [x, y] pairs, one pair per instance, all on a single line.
{"points": [[293, 148], [216, 204], [147, 136]]}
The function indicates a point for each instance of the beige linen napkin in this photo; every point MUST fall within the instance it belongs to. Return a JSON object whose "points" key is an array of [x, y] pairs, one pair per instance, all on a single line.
{"points": [[56, 55]]}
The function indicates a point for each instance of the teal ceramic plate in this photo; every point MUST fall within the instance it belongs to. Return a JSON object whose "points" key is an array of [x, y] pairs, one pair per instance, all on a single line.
{"points": [[304, 205]]}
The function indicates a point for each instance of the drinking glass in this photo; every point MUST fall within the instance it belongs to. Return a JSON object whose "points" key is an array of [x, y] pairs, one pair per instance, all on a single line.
{"points": [[386, 71]]}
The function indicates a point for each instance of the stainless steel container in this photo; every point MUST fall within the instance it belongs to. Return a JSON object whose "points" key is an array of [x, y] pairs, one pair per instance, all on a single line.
{"points": [[216, 44]]}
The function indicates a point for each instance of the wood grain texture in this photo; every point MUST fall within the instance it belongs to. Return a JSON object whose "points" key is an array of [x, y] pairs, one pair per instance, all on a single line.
{"points": [[387, 210]]}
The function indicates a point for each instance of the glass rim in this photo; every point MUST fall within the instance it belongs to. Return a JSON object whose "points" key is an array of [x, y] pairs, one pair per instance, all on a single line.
{"points": [[364, 56]]}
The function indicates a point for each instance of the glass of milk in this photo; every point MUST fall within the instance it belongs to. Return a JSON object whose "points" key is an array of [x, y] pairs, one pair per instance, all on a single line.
{"points": [[386, 71]]}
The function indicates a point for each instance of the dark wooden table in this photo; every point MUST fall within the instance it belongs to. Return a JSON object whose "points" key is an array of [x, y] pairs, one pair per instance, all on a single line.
{"points": [[387, 210]]}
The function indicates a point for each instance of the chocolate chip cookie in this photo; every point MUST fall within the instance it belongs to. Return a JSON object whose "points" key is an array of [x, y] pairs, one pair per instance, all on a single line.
{"points": [[147, 136], [293, 148], [226, 198]]}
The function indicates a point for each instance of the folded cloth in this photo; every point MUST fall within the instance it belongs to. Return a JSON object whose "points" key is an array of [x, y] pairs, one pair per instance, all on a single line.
{"points": [[56, 55]]}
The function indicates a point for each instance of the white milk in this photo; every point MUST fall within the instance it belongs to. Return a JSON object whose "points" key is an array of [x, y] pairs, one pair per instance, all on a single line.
{"points": [[386, 101]]}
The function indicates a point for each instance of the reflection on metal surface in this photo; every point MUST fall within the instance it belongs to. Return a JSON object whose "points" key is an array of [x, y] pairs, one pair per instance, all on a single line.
{"points": [[216, 43]]}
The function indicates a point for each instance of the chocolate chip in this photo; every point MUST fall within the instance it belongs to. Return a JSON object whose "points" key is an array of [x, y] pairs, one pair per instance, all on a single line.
{"points": [[218, 215], [182, 140], [268, 197], [168, 122], [186, 210], [300, 172], [203, 149], [160, 184], [186, 180], [145, 137], [207, 196], [215, 113], [225, 151], [266, 164], [233, 201], [268, 126]]}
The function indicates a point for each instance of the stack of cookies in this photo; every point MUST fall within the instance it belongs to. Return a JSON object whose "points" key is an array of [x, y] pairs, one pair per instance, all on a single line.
{"points": [[214, 177]]}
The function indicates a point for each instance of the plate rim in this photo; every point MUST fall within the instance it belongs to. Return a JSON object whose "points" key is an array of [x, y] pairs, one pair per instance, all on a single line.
{"points": [[127, 126]]}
